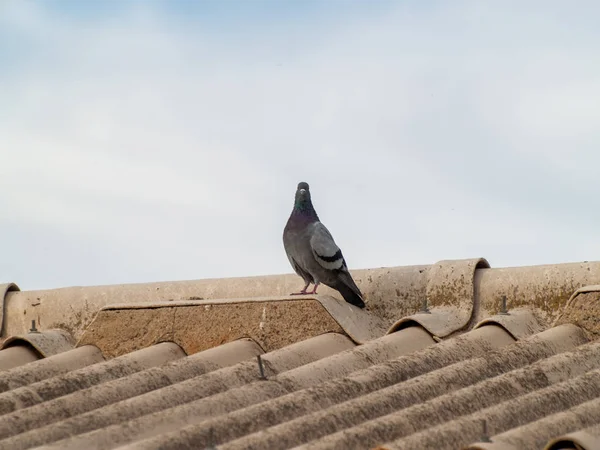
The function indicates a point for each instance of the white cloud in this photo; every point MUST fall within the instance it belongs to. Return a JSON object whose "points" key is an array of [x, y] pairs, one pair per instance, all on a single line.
{"points": [[143, 147]]}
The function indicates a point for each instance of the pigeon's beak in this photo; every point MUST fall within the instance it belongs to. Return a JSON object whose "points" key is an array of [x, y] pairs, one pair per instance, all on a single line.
{"points": [[302, 191]]}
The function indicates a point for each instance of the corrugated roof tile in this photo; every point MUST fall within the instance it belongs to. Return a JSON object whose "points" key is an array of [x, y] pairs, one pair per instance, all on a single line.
{"points": [[133, 385], [17, 356], [413, 391], [426, 415], [529, 394], [586, 439], [536, 434], [49, 367], [245, 395], [521, 379], [269, 413], [85, 377], [199, 386]]}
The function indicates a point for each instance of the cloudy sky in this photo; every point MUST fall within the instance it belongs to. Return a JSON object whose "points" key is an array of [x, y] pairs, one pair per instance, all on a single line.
{"points": [[155, 140]]}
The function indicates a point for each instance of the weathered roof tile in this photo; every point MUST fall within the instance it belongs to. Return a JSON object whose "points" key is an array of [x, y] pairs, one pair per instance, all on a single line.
{"points": [[438, 360]]}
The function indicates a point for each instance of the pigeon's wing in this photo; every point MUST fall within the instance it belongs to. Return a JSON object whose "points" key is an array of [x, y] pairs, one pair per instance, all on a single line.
{"points": [[293, 257], [335, 272], [324, 248]]}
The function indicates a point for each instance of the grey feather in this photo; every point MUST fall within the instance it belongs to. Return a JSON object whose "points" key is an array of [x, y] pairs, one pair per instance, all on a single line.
{"points": [[324, 248], [312, 251]]}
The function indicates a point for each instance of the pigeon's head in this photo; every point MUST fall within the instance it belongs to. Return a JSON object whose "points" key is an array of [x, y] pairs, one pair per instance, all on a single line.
{"points": [[303, 186], [303, 201]]}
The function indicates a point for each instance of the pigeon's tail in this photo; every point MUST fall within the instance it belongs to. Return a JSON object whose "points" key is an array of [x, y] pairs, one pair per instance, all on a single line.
{"points": [[349, 290]]}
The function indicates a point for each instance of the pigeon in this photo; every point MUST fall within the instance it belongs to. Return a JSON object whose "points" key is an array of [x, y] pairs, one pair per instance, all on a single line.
{"points": [[313, 253]]}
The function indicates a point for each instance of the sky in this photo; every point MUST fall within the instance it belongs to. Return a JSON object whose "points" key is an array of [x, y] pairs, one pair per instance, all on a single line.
{"points": [[146, 141]]}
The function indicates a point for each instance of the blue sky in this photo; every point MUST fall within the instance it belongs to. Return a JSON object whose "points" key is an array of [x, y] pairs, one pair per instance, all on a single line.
{"points": [[147, 141]]}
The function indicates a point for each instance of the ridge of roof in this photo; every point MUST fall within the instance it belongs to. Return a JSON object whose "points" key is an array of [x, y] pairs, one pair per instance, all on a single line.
{"points": [[196, 326], [392, 294]]}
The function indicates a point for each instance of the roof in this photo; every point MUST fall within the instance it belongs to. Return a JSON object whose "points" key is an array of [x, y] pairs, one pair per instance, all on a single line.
{"points": [[452, 355]]}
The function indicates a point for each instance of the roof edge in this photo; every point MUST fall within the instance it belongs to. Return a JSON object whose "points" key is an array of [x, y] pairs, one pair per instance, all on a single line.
{"points": [[200, 325], [5, 289]]}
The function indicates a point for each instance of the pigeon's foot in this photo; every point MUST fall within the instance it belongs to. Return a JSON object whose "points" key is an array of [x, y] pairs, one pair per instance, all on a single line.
{"points": [[314, 291], [300, 293], [303, 291]]}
